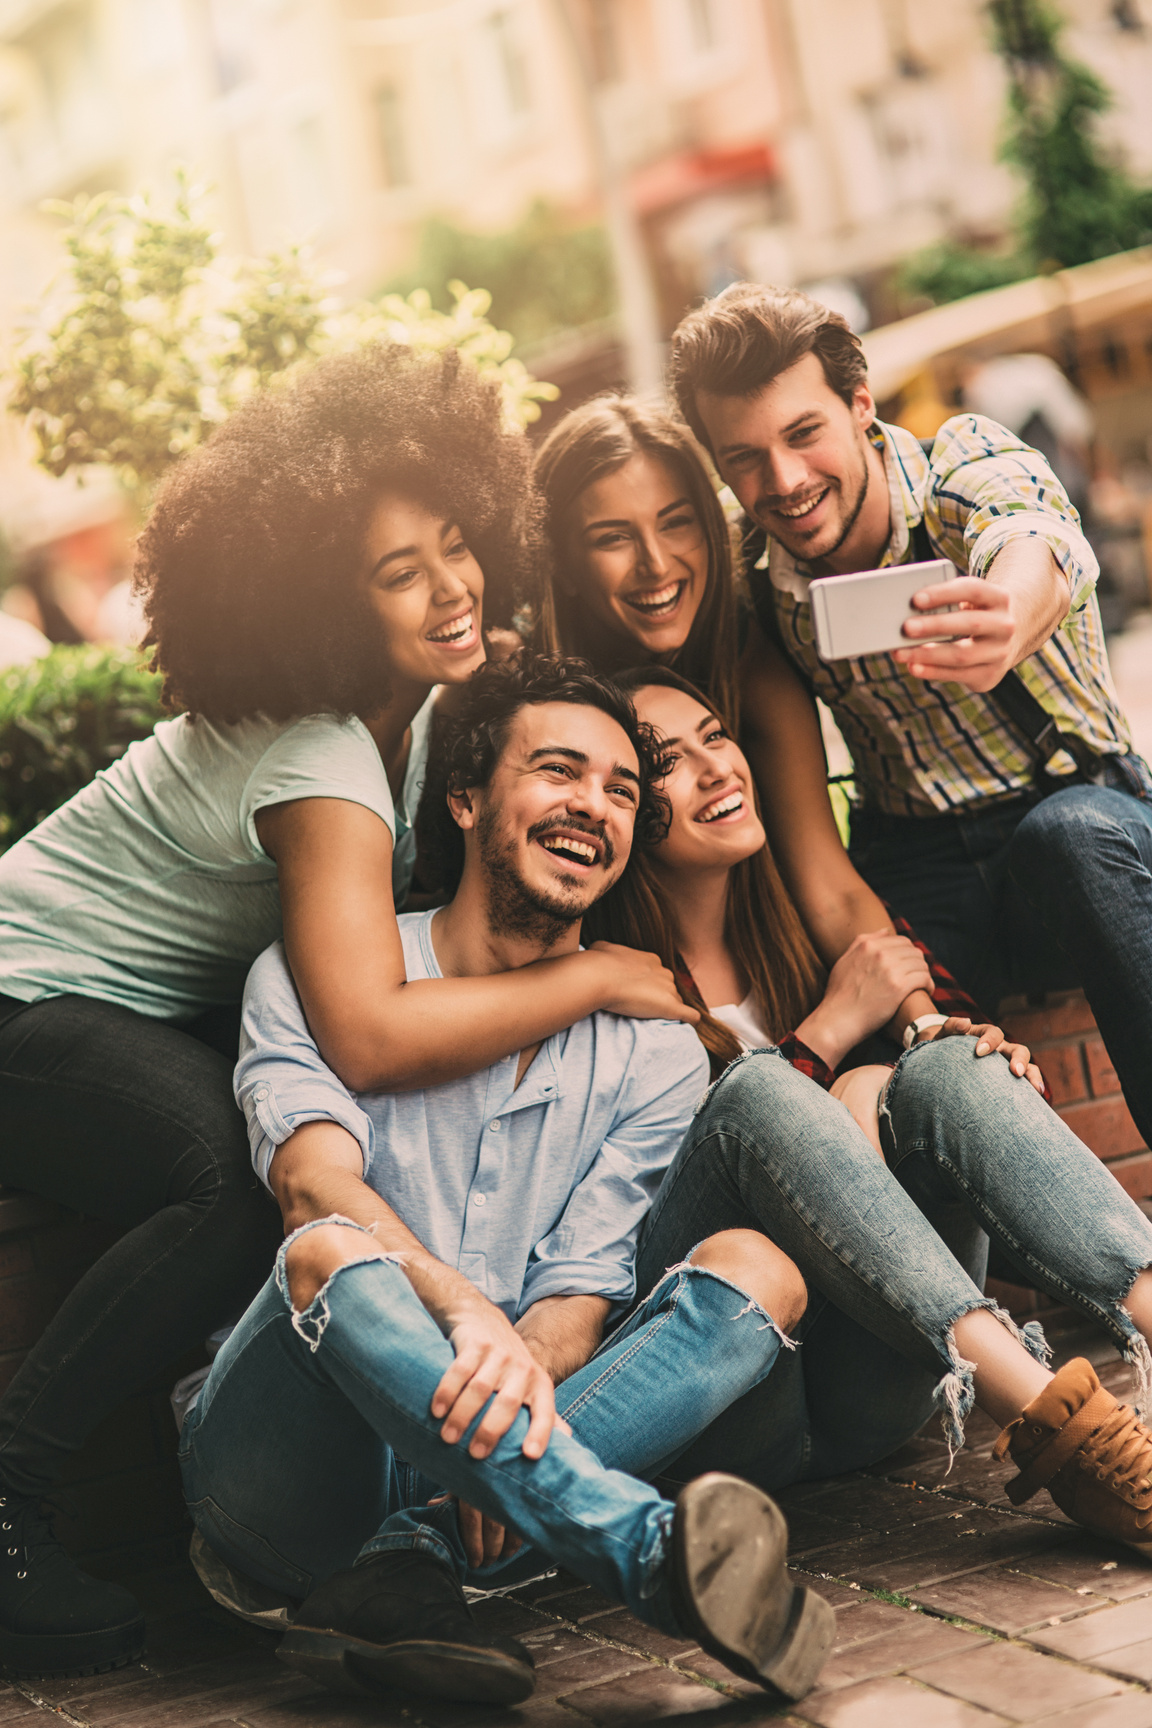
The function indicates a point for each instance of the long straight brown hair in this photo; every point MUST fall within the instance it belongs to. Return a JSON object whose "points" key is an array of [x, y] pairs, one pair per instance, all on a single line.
{"points": [[762, 926], [590, 442]]}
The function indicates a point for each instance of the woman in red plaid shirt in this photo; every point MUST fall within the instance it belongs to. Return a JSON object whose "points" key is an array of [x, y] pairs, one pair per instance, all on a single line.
{"points": [[893, 1248]]}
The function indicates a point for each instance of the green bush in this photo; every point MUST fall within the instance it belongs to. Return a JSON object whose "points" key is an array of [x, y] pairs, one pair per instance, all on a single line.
{"points": [[62, 719]]}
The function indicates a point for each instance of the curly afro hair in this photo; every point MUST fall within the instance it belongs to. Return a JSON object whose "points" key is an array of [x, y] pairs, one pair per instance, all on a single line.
{"points": [[249, 566], [468, 742]]}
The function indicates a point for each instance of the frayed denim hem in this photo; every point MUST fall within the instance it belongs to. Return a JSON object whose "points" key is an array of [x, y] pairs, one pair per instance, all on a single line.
{"points": [[312, 1322], [955, 1394]]}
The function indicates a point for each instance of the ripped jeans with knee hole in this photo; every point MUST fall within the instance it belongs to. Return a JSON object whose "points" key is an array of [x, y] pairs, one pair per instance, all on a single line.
{"points": [[893, 1250], [313, 1443]]}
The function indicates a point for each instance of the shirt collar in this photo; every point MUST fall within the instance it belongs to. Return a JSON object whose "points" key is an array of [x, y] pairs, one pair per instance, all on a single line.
{"points": [[907, 472]]}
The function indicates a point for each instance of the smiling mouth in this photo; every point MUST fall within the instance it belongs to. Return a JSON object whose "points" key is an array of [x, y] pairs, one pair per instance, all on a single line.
{"points": [[584, 853], [454, 632], [799, 511], [656, 602], [731, 804]]}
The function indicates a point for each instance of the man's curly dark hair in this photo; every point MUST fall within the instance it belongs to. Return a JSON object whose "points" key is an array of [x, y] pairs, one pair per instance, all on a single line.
{"points": [[468, 743], [249, 564]]}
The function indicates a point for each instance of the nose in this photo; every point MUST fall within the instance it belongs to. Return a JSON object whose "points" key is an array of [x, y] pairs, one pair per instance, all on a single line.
{"points": [[784, 472], [651, 556], [587, 797], [450, 585]]}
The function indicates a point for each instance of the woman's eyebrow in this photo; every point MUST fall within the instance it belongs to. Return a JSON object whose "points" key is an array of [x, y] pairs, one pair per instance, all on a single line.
{"points": [[401, 552], [678, 505]]}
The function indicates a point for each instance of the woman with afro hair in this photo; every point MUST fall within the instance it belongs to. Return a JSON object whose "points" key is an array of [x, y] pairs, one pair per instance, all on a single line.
{"points": [[310, 576]]}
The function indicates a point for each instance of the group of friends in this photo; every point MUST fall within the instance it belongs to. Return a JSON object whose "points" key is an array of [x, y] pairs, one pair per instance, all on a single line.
{"points": [[652, 1166]]}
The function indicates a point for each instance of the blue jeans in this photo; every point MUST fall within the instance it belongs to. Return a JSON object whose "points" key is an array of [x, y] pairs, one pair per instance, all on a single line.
{"points": [[893, 1251], [1040, 894], [313, 1441]]}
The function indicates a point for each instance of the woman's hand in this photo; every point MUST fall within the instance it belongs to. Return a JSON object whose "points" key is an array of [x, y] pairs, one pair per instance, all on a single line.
{"points": [[865, 987], [860, 1091], [991, 1041], [637, 985]]}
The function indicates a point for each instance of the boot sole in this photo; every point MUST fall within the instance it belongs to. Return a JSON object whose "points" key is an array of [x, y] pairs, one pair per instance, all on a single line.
{"points": [[64, 1655], [742, 1539], [461, 1672]]}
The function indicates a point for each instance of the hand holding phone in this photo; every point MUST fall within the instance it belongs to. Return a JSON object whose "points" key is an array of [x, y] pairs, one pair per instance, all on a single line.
{"points": [[865, 613]]}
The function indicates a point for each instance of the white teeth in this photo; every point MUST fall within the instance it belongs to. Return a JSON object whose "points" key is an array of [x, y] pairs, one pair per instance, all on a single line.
{"points": [[723, 808], [454, 632], [562, 842], [654, 601], [803, 509]]}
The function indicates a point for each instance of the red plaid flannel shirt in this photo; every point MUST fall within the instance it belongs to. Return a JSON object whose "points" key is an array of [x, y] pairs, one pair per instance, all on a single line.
{"points": [[947, 997]]}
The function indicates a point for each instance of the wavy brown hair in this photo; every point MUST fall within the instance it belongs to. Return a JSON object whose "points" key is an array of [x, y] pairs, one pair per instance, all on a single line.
{"points": [[251, 564], [762, 925], [594, 440]]}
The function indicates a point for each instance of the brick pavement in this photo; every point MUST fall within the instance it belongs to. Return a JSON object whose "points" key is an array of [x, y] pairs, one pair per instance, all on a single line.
{"points": [[954, 1610]]}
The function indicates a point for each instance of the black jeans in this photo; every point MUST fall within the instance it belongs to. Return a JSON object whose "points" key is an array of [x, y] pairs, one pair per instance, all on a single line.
{"points": [[1040, 894], [132, 1121]]}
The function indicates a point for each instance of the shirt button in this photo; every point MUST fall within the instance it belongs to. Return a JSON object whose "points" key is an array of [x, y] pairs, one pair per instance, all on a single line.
{"points": [[261, 1091], [480, 1199], [495, 1124]]}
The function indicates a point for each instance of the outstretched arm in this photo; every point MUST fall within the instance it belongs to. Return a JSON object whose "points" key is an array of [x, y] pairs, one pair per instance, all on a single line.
{"points": [[377, 1031]]}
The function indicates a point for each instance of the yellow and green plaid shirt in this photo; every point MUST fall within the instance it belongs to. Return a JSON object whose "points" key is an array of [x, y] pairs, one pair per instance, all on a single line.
{"points": [[924, 749]]}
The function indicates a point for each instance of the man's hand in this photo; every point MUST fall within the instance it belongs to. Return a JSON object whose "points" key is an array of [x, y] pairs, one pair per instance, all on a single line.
{"points": [[1002, 618], [991, 1042], [484, 1540], [868, 983], [492, 1358]]}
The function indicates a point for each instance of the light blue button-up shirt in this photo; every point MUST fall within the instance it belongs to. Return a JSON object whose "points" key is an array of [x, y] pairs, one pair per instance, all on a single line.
{"points": [[531, 1191]]}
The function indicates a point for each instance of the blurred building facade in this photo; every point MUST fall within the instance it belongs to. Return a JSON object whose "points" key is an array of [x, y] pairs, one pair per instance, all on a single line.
{"points": [[802, 141]]}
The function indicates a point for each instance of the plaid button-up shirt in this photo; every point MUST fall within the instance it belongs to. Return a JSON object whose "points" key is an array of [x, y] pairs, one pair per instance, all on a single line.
{"points": [[924, 749]]}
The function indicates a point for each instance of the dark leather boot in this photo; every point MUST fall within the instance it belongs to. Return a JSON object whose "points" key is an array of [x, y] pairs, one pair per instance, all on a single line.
{"points": [[731, 1590], [401, 1620], [54, 1618]]}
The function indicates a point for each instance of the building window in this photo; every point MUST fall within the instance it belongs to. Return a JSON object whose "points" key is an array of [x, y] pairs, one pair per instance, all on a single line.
{"points": [[389, 105], [509, 58]]}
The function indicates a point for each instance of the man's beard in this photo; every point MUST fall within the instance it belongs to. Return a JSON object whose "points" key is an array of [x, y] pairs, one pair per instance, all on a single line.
{"points": [[515, 908], [850, 521]]}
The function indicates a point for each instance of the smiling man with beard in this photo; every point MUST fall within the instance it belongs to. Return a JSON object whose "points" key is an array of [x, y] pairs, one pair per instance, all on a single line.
{"points": [[384, 1416], [999, 806]]}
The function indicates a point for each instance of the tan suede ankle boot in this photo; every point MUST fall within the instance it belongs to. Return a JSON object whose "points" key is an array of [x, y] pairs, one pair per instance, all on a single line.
{"points": [[1092, 1454]]}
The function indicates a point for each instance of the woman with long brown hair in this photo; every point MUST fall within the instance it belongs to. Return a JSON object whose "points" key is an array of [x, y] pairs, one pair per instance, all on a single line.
{"points": [[892, 1248], [642, 551]]}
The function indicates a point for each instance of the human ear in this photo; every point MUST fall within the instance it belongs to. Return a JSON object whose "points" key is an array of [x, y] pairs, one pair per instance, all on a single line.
{"points": [[463, 809], [863, 407]]}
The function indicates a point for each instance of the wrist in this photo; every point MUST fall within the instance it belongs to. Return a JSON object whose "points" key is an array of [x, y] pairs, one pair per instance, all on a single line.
{"points": [[825, 1037], [924, 1027]]}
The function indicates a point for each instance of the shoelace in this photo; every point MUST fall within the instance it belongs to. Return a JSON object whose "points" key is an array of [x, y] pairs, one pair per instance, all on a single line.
{"points": [[1121, 1450]]}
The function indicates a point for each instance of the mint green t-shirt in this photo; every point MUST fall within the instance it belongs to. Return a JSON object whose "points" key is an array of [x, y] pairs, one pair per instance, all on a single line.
{"points": [[150, 888]]}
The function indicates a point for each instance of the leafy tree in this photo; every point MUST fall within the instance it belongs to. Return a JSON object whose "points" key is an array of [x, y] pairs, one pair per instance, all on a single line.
{"points": [[153, 338], [1077, 203], [62, 719], [544, 275]]}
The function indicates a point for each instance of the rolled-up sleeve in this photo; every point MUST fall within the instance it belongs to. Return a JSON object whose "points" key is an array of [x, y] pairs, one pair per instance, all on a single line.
{"points": [[591, 1250], [281, 1080], [988, 487]]}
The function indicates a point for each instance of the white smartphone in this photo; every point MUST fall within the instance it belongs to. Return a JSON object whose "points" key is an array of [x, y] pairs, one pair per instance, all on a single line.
{"points": [[863, 613]]}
